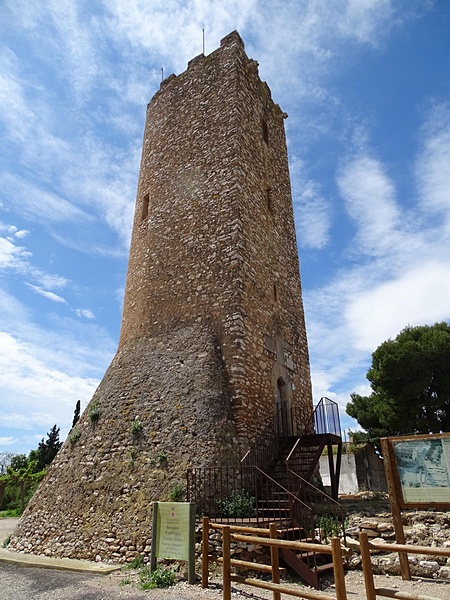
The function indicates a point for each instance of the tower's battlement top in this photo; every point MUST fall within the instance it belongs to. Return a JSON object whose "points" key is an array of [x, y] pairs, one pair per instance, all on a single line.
{"points": [[231, 40]]}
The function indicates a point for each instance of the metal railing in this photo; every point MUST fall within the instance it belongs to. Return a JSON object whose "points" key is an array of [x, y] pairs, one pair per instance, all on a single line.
{"points": [[329, 515], [326, 417], [265, 447], [247, 494]]}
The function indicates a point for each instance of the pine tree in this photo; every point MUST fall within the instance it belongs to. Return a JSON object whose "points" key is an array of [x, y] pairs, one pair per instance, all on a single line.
{"points": [[76, 414]]}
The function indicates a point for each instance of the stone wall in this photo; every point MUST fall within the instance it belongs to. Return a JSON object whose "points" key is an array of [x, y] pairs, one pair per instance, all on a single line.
{"points": [[370, 469], [95, 501]]}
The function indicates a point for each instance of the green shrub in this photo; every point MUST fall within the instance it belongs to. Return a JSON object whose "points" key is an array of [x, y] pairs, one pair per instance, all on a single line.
{"points": [[160, 578], [10, 512], [136, 427], [94, 412], [238, 505], [6, 542], [176, 493], [74, 436], [136, 563], [162, 458], [329, 525]]}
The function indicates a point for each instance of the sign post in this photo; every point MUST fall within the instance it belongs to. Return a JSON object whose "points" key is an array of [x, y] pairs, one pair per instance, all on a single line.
{"points": [[173, 534]]}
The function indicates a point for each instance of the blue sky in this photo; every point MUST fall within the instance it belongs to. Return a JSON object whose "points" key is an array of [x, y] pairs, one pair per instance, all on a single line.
{"points": [[366, 84]]}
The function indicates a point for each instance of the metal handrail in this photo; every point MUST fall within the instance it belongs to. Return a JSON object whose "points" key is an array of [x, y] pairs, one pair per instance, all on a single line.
{"points": [[264, 447], [210, 487], [297, 507], [333, 508]]}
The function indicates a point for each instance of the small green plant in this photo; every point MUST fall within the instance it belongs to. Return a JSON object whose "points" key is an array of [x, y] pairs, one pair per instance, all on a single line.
{"points": [[162, 458], [329, 525], [94, 412], [136, 563], [126, 581], [176, 493], [74, 436], [159, 578], [6, 542], [133, 456], [136, 427], [238, 505]]}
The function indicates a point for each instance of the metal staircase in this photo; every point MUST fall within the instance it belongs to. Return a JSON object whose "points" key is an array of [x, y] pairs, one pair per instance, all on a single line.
{"points": [[277, 477]]}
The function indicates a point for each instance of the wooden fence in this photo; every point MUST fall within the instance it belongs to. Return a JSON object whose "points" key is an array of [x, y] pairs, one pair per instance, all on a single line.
{"points": [[245, 534], [371, 591], [268, 537]]}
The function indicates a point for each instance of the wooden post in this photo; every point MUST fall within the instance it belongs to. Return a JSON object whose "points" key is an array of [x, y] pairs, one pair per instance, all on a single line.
{"points": [[205, 551], [367, 566], [338, 567], [191, 560], [274, 560], [226, 565], [154, 527], [395, 507]]}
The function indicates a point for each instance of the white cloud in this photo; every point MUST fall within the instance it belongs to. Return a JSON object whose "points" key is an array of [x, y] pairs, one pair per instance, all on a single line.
{"points": [[312, 210], [68, 346], [47, 294], [21, 234], [14, 110], [84, 313], [432, 168], [370, 200], [18, 259], [422, 295], [39, 204], [13, 257], [6, 441], [48, 280]]}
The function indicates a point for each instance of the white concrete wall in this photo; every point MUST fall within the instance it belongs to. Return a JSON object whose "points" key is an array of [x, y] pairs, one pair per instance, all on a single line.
{"points": [[348, 483]]}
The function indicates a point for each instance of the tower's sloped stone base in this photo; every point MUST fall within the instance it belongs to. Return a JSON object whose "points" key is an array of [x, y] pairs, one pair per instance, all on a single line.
{"points": [[162, 406]]}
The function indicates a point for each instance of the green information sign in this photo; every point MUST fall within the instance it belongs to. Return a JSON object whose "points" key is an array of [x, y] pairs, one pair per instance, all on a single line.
{"points": [[173, 534]]}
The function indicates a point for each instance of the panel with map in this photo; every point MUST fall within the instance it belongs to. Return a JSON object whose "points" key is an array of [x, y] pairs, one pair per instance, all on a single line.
{"points": [[424, 469]]}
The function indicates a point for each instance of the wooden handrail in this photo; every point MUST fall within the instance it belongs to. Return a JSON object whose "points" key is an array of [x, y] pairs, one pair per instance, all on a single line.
{"points": [[371, 591], [409, 549]]}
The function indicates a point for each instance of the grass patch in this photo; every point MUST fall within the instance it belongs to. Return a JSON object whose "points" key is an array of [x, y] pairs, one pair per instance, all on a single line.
{"points": [[159, 578], [13, 512], [136, 563]]}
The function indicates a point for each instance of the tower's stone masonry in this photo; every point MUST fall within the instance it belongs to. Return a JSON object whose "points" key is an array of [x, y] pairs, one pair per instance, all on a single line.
{"points": [[213, 338], [157, 416], [214, 235]]}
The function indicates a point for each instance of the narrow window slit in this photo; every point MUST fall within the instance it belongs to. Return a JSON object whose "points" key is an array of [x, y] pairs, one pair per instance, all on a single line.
{"points": [[145, 204]]}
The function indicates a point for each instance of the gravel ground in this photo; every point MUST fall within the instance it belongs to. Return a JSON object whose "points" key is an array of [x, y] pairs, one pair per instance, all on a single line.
{"points": [[20, 583]]}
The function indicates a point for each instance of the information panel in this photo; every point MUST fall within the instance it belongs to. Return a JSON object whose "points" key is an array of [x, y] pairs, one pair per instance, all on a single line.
{"points": [[424, 469], [173, 534], [172, 530]]}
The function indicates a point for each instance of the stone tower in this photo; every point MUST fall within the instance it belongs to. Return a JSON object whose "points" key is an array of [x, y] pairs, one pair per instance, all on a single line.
{"points": [[214, 237], [213, 339]]}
